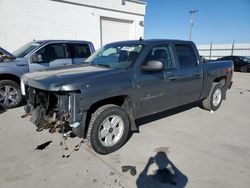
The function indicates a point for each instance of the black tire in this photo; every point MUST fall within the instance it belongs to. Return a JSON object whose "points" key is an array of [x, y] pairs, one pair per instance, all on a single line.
{"points": [[207, 103], [95, 124], [19, 97], [243, 69]]}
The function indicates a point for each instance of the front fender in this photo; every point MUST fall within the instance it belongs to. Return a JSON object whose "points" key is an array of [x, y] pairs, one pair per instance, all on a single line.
{"points": [[11, 71]]}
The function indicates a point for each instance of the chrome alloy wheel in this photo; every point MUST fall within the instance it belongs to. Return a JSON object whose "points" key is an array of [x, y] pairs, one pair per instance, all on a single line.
{"points": [[111, 130], [8, 95], [217, 96]]}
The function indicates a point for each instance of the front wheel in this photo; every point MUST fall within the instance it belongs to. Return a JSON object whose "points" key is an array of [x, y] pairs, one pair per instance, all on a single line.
{"points": [[10, 94], [213, 101], [108, 129]]}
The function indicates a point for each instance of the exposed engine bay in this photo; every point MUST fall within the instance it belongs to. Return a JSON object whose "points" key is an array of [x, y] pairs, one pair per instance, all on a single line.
{"points": [[56, 111]]}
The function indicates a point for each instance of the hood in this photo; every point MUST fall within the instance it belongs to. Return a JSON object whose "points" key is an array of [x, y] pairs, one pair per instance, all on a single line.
{"points": [[14, 62], [6, 53], [66, 79]]}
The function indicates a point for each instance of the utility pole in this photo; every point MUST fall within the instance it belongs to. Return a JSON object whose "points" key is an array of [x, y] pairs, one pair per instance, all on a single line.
{"points": [[192, 12]]}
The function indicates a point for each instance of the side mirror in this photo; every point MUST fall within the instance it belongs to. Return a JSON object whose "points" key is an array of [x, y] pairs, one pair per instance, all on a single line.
{"points": [[153, 66], [37, 58], [202, 59]]}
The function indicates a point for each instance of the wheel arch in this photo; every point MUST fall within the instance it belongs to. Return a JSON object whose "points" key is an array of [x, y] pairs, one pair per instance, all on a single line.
{"points": [[11, 77], [222, 81], [123, 101]]}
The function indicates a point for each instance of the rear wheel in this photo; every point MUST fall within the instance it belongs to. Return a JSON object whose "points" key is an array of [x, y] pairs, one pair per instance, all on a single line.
{"points": [[108, 129], [10, 94], [243, 69], [213, 101]]}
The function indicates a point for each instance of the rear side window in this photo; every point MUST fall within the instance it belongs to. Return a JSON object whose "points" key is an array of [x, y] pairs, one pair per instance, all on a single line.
{"points": [[80, 50], [186, 56]]}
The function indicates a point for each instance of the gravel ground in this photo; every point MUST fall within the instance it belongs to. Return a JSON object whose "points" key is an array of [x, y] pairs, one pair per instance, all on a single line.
{"points": [[204, 149]]}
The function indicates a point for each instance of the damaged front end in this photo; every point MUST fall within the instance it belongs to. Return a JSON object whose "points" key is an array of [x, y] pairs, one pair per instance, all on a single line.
{"points": [[56, 111]]}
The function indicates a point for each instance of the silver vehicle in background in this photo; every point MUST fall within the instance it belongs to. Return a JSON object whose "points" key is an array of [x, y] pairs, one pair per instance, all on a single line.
{"points": [[36, 56]]}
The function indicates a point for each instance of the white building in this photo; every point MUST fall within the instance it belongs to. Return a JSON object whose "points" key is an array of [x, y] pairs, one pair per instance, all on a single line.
{"points": [[99, 21]]}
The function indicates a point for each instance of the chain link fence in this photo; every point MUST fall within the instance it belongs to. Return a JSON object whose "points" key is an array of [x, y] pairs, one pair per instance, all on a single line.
{"points": [[214, 51]]}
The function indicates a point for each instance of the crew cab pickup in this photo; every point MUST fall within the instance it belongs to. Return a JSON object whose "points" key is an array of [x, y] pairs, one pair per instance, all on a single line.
{"points": [[35, 56], [123, 81]]}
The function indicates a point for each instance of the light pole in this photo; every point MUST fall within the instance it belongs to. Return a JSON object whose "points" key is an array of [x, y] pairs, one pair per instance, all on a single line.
{"points": [[192, 12]]}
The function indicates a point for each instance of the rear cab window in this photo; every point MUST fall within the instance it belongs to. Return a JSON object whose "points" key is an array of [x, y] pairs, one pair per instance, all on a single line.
{"points": [[186, 56]]}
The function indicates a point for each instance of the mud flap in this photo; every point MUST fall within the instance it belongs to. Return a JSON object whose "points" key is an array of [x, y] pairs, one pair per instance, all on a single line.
{"points": [[80, 130], [129, 107]]}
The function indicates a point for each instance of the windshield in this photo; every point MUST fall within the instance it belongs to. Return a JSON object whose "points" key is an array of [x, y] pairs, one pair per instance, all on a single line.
{"points": [[24, 50], [117, 56]]}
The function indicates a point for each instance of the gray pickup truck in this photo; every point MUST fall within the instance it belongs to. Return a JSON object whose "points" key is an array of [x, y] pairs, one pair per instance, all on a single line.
{"points": [[35, 56], [121, 82]]}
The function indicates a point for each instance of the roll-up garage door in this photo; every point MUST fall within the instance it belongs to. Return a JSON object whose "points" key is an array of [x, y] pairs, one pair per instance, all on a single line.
{"points": [[113, 30]]}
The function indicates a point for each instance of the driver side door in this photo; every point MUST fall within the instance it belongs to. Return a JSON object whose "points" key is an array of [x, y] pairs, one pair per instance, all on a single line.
{"points": [[51, 55], [158, 91]]}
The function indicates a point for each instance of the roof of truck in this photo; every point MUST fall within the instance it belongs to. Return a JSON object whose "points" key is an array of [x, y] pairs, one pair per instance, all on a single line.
{"points": [[153, 41], [46, 41]]}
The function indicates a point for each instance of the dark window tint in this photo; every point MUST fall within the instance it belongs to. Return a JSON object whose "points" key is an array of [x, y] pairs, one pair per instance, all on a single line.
{"points": [[186, 55], [79, 50], [52, 52], [161, 53], [227, 58]]}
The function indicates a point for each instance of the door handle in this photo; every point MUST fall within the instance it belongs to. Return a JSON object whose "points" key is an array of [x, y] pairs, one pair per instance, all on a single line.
{"points": [[197, 74], [169, 76], [172, 78]]}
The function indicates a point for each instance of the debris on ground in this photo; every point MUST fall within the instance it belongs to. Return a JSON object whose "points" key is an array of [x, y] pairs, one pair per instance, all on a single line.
{"points": [[64, 146], [43, 146], [132, 170]]}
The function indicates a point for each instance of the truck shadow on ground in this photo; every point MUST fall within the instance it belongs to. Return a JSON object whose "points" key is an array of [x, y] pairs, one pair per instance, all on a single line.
{"points": [[147, 119], [2, 110], [164, 114], [166, 175]]}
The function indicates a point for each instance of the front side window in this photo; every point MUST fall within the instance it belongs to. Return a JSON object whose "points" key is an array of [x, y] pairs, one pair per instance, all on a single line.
{"points": [[186, 56], [161, 53], [117, 56], [50, 53]]}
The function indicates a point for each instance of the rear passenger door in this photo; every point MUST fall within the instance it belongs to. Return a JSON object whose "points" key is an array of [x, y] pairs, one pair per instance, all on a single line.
{"points": [[191, 72], [79, 52], [50, 55]]}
